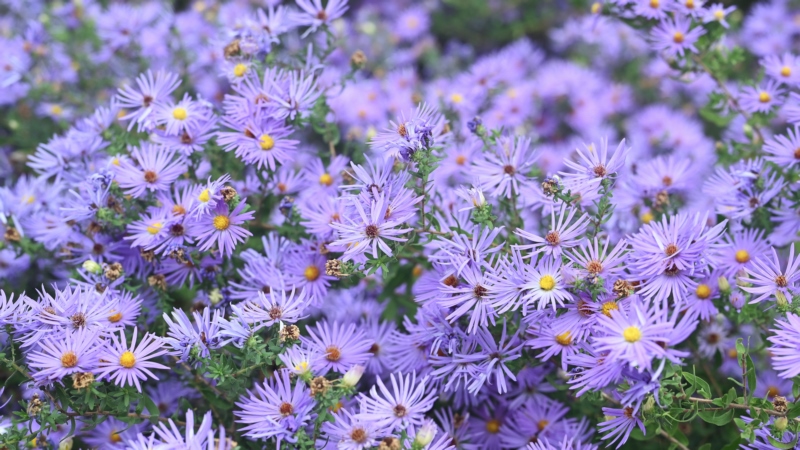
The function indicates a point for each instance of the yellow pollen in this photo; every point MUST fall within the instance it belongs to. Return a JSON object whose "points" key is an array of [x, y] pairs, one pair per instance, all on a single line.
{"points": [[719, 14], [311, 273], [677, 37], [732, 353], [179, 113], [703, 291], [115, 318], [204, 196], [302, 367], [632, 334], [326, 179], [542, 423], [764, 97], [786, 71], [266, 142], [416, 271], [121, 113], [222, 223], [155, 228], [127, 360], [28, 199], [115, 437], [456, 98], [461, 159], [596, 7], [647, 217], [689, 4], [564, 338], [56, 110], [239, 70], [742, 256], [654, 3], [608, 307], [547, 283], [69, 360], [115, 162], [178, 210], [493, 426]]}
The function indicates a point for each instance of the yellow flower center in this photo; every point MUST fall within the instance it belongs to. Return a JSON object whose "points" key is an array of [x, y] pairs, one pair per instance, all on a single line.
{"points": [[127, 360], [28, 199], [742, 256], [325, 179], [239, 70], [786, 71], [178, 210], [608, 307], [115, 317], [764, 97], [456, 98], [416, 271], [115, 162], [632, 334], [677, 37], [266, 142], [461, 160], [654, 3], [115, 437], [302, 367], [69, 360], [155, 228], [542, 423], [179, 113], [547, 283], [222, 223], [564, 338], [689, 4], [311, 273], [56, 110], [204, 196], [719, 14], [493, 426], [647, 217], [703, 291], [596, 7]]}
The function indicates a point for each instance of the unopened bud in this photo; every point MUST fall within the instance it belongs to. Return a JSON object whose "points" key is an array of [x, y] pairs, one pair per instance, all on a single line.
{"points": [[425, 435], [781, 299], [649, 404], [65, 444], [215, 296], [92, 267], [724, 285], [781, 423], [351, 378], [358, 59]]}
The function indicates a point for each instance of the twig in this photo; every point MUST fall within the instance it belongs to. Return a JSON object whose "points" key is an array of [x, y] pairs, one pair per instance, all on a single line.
{"points": [[677, 443]]}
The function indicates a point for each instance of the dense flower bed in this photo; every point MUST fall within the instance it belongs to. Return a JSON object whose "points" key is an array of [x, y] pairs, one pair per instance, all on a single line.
{"points": [[322, 224]]}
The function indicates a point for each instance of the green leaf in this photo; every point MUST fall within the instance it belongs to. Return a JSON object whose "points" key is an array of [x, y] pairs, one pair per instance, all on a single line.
{"points": [[718, 418], [783, 446], [700, 384], [751, 374]]}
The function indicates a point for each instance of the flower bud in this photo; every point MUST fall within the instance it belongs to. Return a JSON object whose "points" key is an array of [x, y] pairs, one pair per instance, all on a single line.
{"points": [[425, 434], [350, 379], [781, 423], [781, 299], [66, 444], [649, 404], [737, 300], [92, 267], [724, 285]]}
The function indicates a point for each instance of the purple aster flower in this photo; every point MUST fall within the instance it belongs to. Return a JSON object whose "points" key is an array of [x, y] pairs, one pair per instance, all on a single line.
{"points": [[350, 432], [275, 307], [674, 37], [596, 262], [784, 68], [156, 169], [406, 403], [545, 286], [496, 356], [261, 141], [299, 96], [470, 296], [127, 364], [184, 115], [766, 278], [595, 164], [461, 250], [717, 13], [738, 250], [785, 342], [196, 339], [762, 98], [634, 336], [140, 104], [504, 171], [563, 234], [221, 227], [563, 340], [407, 136], [364, 232], [313, 15], [74, 351], [619, 424], [196, 438], [784, 150], [341, 346], [275, 409]]}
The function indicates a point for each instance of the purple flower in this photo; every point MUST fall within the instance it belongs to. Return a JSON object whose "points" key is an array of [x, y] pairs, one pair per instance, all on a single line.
{"points": [[619, 424], [260, 141], [635, 336], [563, 234], [156, 169], [350, 432], [140, 104], [220, 227], [340, 346], [767, 279], [364, 232], [313, 15], [127, 364], [74, 351], [784, 150], [785, 344], [406, 403], [674, 37], [407, 136], [504, 170], [762, 98]]}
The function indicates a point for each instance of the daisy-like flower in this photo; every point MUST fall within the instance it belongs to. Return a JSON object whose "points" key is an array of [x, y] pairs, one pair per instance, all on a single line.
{"points": [[368, 232], [471, 296], [619, 424], [221, 227], [738, 250], [275, 307], [595, 164], [766, 278], [762, 98], [349, 432], [261, 141], [147, 231], [635, 336], [406, 404], [74, 351], [407, 136], [563, 233], [314, 15], [178, 117], [153, 89], [297, 96], [545, 285], [784, 68], [597, 262], [275, 409], [127, 364], [155, 169], [675, 36], [205, 197], [785, 342], [784, 150], [504, 170], [341, 346], [717, 13]]}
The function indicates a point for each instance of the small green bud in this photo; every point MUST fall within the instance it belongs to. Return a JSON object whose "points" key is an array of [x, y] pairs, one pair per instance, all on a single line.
{"points": [[66, 444], [425, 435], [781, 423], [781, 300], [724, 285], [649, 404], [215, 296], [351, 378], [92, 267]]}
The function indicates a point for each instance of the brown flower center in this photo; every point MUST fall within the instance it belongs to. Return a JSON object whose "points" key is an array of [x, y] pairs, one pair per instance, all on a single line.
{"points": [[332, 353], [371, 231], [150, 176]]}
